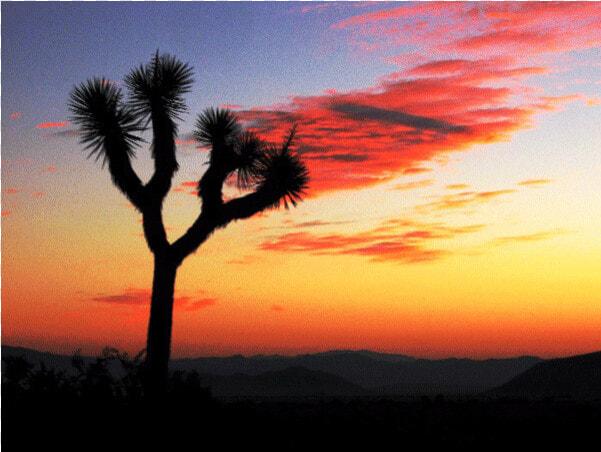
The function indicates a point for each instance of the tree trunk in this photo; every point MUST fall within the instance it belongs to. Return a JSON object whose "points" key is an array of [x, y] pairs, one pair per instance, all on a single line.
{"points": [[158, 344]]}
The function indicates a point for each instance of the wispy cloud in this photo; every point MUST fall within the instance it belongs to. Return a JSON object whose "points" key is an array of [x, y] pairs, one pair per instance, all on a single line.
{"points": [[458, 187], [185, 142], [414, 185], [527, 238], [488, 28], [16, 115], [141, 297], [50, 125], [535, 182], [394, 240], [232, 106], [461, 200]]}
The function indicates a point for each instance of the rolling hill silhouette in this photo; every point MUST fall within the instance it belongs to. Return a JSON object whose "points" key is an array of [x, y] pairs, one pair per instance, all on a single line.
{"points": [[576, 377], [334, 373]]}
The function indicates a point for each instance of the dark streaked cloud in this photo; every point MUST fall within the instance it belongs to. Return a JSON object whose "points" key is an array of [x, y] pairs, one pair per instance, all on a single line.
{"points": [[365, 112]]}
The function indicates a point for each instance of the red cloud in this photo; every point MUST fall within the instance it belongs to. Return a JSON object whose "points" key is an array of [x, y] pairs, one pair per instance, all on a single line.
{"points": [[16, 115], [50, 168], [196, 305], [6, 212], [130, 296], [416, 170], [277, 308], [389, 242], [365, 137], [468, 95], [48, 125], [489, 28], [141, 297]]}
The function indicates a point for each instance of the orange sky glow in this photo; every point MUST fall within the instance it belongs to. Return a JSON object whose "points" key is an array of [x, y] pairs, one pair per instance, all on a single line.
{"points": [[454, 206]]}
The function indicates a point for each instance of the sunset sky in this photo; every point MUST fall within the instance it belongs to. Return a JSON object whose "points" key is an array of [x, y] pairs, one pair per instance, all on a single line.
{"points": [[454, 206]]}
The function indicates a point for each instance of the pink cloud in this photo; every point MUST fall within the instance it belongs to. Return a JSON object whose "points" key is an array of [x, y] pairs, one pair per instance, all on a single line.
{"points": [[232, 106]]}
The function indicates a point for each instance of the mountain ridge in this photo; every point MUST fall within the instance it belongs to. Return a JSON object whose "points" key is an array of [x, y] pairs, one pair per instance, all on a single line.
{"points": [[375, 373]]}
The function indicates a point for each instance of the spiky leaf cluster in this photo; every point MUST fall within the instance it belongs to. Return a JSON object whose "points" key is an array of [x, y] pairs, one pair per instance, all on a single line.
{"points": [[97, 108], [232, 149], [257, 165], [283, 173], [218, 128], [159, 86], [248, 152]]}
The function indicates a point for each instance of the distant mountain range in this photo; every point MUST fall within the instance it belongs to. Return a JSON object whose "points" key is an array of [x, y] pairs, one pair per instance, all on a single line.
{"points": [[361, 373], [377, 373]]}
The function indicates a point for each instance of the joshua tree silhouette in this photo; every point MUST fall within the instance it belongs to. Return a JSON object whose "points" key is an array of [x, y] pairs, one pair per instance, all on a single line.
{"points": [[110, 126]]}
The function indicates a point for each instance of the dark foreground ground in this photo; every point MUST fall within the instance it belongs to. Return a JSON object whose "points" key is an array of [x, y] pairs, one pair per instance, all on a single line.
{"points": [[197, 422], [92, 410]]}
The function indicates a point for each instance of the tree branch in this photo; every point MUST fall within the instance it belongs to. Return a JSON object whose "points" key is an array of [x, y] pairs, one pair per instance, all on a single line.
{"points": [[122, 173], [165, 162], [236, 209]]}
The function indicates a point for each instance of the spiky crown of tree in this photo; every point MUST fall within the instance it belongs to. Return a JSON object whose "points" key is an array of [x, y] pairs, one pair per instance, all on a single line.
{"points": [[111, 125]]}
